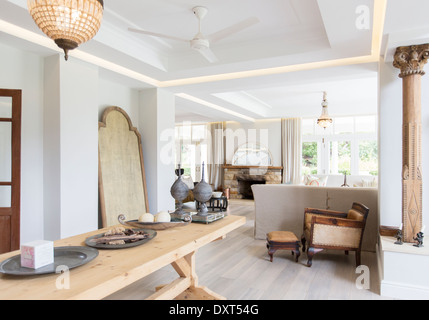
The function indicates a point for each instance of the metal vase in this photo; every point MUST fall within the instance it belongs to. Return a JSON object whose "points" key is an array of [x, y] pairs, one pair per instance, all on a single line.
{"points": [[179, 191], [203, 193]]}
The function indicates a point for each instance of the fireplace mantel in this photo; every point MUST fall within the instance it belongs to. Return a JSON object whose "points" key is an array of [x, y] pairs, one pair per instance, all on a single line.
{"points": [[270, 175]]}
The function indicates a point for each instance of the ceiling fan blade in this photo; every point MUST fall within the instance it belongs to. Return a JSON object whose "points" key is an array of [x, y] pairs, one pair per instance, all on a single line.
{"points": [[156, 34], [233, 29], [209, 55]]}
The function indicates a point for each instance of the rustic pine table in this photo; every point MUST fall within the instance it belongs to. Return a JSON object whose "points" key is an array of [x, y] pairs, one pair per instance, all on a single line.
{"points": [[113, 270]]}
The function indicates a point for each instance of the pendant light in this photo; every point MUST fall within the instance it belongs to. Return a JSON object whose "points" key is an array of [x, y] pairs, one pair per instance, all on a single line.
{"points": [[325, 121], [68, 22]]}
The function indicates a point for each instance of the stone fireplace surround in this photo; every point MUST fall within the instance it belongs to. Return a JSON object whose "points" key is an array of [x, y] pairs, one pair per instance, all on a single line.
{"points": [[239, 178]]}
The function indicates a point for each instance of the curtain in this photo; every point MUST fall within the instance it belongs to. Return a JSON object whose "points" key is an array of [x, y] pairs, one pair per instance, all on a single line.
{"points": [[215, 154], [291, 150]]}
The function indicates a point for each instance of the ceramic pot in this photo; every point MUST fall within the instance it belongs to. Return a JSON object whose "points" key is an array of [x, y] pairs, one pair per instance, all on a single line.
{"points": [[203, 193], [179, 191]]}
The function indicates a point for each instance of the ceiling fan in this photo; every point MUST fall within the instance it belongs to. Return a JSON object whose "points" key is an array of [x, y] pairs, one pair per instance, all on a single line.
{"points": [[200, 42]]}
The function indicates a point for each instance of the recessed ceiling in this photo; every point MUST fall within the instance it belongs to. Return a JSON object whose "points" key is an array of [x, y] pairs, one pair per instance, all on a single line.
{"points": [[277, 67]]}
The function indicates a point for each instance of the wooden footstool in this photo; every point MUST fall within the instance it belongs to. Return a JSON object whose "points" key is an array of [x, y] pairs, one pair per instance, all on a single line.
{"points": [[283, 240]]}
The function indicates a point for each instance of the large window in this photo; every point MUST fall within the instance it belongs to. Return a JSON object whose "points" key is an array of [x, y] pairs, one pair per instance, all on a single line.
{"points": [[191, 149], [349, 146]]}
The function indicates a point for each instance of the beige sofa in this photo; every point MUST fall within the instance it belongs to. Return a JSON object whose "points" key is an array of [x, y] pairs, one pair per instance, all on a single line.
{"points": [[281, 208]]}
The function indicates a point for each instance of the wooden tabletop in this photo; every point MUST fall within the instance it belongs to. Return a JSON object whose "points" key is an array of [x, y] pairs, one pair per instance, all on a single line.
{"points": [[113, 270]]}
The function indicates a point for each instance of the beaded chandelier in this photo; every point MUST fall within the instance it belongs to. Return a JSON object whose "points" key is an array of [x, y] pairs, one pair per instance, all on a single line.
{"points": [[68, 22], [324, 120]]}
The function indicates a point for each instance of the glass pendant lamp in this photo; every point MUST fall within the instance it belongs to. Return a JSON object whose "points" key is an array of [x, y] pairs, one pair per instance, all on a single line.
{"points": [[325, 121], [68, 22]]}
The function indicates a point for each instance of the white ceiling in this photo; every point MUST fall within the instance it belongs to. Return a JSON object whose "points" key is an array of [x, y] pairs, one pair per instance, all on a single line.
{"points": [[276, 68]]}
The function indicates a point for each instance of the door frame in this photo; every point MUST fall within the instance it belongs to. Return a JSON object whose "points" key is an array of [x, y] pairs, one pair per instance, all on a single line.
{"points": [[14, 212]]}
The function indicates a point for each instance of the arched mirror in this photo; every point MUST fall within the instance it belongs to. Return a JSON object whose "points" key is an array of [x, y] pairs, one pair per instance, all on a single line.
{"points": [[122, 181], [252, 154]]}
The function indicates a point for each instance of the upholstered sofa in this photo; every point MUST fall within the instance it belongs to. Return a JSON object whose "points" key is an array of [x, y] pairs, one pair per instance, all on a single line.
{"points": [[282, 207]]}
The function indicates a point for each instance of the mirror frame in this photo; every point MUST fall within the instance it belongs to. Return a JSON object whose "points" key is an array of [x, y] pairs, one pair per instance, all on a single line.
{"points": [[102, 194]]}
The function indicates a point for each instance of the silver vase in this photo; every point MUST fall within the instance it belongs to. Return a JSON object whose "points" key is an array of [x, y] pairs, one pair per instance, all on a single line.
{"points": [[179, 191], [203, 193]]}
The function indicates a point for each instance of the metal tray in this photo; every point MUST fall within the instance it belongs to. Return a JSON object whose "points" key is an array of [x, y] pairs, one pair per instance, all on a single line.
{"points": [[90, 241], [154, 225], [71, 257]]}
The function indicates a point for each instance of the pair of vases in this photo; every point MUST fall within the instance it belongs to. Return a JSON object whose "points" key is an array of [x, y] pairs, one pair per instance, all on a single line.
{"points": [[202, 193]]}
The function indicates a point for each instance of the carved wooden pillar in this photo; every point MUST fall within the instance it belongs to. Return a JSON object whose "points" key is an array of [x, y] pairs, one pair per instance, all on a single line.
{"points": [[411, 60]]}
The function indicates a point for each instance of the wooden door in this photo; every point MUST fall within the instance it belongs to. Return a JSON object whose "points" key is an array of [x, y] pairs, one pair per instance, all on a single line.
{"points": [[10, 169]]}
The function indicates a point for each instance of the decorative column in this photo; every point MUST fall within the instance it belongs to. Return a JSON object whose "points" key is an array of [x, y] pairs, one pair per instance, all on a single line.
{"points": [[411, 60]]}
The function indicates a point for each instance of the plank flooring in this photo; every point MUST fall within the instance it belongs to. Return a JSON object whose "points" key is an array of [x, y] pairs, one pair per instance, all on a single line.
{"points": [[239, 268]]}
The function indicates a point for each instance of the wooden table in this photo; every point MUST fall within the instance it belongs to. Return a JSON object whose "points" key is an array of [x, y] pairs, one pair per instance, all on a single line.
{"points": [[113, 270]]}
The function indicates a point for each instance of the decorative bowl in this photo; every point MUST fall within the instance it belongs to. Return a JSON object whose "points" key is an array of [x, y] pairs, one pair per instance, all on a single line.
{"points": [[217, 194], [187, 219]]}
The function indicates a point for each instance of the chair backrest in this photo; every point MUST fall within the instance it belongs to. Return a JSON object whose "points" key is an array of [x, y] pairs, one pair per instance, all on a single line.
{"points": [[358, 212]]}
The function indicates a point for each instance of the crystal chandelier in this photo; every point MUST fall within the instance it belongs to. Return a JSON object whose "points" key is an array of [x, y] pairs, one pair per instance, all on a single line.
{"points": [[324, 120], [68, 22]]}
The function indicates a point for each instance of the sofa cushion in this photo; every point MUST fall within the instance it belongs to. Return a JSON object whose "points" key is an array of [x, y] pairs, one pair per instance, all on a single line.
{"points": [[355, 215]]}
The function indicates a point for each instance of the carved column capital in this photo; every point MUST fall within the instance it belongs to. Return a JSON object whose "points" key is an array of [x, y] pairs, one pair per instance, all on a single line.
{"points": [[411, 59]]}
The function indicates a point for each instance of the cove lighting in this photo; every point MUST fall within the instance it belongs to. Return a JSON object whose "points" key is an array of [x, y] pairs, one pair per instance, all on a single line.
{"points": [[213, 106]]}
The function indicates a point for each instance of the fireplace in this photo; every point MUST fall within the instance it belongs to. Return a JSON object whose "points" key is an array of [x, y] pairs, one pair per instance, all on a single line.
{"points": [[239, 179], [245, 183]]}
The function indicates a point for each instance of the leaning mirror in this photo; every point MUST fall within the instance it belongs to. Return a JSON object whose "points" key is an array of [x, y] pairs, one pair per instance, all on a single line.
{"points": [[252, 154], [122, 183]]}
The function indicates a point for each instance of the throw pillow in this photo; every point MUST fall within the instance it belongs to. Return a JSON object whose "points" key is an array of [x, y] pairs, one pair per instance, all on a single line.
{"points": [[369, 182], [315, 181]]}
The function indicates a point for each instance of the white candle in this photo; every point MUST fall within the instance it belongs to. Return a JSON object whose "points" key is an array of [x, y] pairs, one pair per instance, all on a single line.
{"points": [[423, 229], [400, 228]]}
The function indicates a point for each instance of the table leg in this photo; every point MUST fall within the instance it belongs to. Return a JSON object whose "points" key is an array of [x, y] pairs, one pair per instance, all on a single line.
{"points": [[186, 287]]}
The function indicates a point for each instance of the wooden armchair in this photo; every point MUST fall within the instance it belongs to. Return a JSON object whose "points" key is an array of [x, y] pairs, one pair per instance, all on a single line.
{"points": [[328, 229]]}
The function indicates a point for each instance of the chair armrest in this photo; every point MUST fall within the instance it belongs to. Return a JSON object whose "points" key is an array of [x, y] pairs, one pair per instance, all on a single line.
{"points": [[339, 214], [340, 222]]}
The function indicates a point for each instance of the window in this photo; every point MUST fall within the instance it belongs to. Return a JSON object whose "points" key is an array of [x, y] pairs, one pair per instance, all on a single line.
{"points": [[341, 157], [191, 149], [309, 157], [368, 155], [349, 146]]}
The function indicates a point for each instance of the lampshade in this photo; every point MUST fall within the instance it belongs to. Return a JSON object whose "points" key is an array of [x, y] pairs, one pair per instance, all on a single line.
{"points": [[68, 22], [324, 120]]}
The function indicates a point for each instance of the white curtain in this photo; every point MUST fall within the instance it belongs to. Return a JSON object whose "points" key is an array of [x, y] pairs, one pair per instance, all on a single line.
{"points": [[215, 154], [291, 150]]}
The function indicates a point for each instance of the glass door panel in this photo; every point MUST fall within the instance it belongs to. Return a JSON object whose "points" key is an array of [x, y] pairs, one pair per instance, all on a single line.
{"points": [[5, 151], [5, 107], [5, 196]]}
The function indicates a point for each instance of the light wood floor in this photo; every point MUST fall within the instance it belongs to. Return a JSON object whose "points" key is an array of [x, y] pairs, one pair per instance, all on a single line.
{"points": [[239, 268]]}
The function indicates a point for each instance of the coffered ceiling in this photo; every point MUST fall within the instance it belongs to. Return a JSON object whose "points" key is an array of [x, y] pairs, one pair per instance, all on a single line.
{"points": [[292, 51]]}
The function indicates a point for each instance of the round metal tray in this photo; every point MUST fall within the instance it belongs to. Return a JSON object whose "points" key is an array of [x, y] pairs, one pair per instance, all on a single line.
{"points": [[154, 225], [70, 257], [91, 241]]}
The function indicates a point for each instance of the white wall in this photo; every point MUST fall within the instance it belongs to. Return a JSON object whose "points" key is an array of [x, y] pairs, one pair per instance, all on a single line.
{"points": [[390, 146], [157, 127], [265, 132], [113, 94], [23, 70]]}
